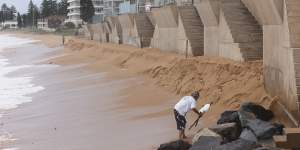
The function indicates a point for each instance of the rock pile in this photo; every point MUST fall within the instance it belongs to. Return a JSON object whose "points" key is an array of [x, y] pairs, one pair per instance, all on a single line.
{"points": [[248, 128], [175, 145]]}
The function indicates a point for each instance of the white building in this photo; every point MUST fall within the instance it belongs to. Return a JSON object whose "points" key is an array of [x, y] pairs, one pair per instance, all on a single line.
{"points": [[74, 11], [10, 24], [42, 24]]}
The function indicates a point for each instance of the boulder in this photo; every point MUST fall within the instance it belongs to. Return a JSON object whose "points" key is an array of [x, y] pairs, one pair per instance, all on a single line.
{"points": [[229, 131], [229, 117], [175, 145], [264, 130], [206, 143], [239, 144], [245, 117], [259, 111], [267, 148], [248, 135], [205, 132]]}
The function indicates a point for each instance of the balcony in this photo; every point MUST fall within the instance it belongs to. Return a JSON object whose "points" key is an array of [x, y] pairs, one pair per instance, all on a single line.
{"points": [[74, 14], [70, 1], [73, 7], [99, 13]]}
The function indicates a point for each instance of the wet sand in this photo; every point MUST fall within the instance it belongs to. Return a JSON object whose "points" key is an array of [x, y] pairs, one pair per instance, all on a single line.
{"points": [[83, 109]]}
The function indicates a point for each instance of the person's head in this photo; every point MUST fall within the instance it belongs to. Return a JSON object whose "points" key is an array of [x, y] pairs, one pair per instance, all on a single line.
{"points": [[195, 95]]}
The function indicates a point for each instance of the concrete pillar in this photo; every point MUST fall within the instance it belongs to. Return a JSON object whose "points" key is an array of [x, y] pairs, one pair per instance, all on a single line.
{"points": [[165, 31], [209, 11], [267, 12], [127, 25]]}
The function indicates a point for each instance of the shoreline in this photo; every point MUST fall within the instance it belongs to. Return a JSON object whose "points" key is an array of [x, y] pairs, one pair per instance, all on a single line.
{"points": [[127, 102], [223, 81]]}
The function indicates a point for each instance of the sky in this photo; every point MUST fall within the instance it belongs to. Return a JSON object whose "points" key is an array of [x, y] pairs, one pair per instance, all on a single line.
{"points": [[21, 5]]}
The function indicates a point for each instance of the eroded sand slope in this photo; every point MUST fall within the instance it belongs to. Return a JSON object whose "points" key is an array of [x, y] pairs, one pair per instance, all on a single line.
{"points": [[226, 83]]}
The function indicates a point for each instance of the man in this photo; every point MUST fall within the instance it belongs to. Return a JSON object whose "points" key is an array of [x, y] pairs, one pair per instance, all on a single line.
{"points": [[185, 105]]}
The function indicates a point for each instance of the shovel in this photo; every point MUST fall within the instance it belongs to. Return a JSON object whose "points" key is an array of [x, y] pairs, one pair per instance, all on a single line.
{"points": [[203, 110], [195, 123]]}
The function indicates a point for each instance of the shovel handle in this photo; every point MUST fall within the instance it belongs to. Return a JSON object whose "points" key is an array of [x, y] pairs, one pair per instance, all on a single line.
{"points": [[195, 123]]}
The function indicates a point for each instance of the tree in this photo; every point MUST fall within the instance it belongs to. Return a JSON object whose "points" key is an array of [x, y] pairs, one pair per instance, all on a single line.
{"points": [[36, 15], [24, 21], [45, 9], [19, 19], [70, 25], [1, 16], [30, 14], [12, 12], [33, 14], [53, 7], [55, 21], [5, 12], [4, 8], [62, 8], [87, 10]]}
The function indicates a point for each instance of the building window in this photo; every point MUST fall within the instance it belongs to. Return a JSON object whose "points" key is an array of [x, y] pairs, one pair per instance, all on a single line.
{"points": [[99, 10]]}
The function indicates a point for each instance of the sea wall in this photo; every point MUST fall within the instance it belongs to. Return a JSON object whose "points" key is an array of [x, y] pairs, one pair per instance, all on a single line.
{"points": [[190, 32], [165, 32], [241, 30], [281, 27], [143, 30], [127, 25], [230, 30], [115, 31], [95, 31]]}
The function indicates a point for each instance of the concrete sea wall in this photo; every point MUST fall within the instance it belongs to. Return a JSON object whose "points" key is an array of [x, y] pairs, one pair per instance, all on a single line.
{"points": [[127, 25], [241, 30], [165, 32]]}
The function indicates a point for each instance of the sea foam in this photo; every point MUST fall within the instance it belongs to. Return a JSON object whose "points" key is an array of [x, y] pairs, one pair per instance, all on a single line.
{"points": [[14, 90]]}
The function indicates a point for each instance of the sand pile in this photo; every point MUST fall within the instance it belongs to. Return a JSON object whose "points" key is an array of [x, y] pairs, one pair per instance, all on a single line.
{"points": [[227, 83], [219, 80]]}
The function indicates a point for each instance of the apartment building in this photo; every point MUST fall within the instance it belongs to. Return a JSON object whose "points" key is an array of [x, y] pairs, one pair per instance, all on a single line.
{"points": [[74, 11], [111, 7], [135, 6]]}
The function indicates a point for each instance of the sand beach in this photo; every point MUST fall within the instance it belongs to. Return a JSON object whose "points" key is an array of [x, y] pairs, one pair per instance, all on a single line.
{"points": [[107, 96]]}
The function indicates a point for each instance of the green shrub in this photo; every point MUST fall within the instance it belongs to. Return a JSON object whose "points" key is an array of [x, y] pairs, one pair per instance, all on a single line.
{"points": [[70, 25]]}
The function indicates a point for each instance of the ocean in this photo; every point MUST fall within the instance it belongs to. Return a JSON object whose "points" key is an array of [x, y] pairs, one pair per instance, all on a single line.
{"points": [[69, 107], [14, 90]]}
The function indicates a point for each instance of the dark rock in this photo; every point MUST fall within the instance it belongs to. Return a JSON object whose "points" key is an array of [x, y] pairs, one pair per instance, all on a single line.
{"points": [[229, 117], [175, 145], [205, 132], [267, 148], [229, 131], [279, 128], [264, 130], [206, 143], [245, 117], [259, 111], [248, 135], [239, 144]]}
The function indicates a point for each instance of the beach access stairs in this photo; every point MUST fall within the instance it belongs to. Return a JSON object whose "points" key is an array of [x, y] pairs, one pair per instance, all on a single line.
{"points": [[145, 29], [245, 29], [290, 139], [194, 28]]}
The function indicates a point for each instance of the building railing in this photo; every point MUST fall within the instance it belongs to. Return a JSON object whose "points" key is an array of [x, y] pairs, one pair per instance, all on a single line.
{"points": [[185, 2]]}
